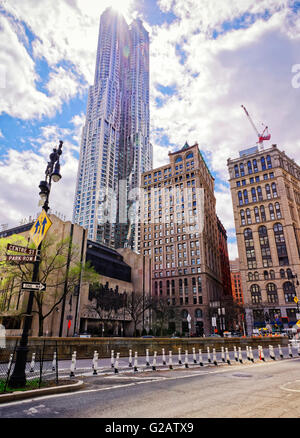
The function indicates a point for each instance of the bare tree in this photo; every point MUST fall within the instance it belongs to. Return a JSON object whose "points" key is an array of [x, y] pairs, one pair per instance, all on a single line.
{"points": [[135, 307]]}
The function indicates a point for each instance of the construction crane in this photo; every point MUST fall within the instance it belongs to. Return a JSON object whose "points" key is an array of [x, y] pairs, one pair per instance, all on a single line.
{"points": [[261, 137]]}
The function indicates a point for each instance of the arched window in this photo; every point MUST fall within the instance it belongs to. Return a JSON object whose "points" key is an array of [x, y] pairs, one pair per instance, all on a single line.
{"points": [[253, 193], [255, 166], [236, 171], [190, 155], [178, 159], [289, 292], [250, 252], [274, 190], [259, 193], [245, 193], [268, 191], [240, 196], [243, 220], [242, 170], [280, 244], [263, 163], [272, 293], [278, 211], [198, 313], [256, 214], [269, 162], [263, 213], [266, 275], [249, 165], [250, 276], [264, 246], [271, 210], [184, 314], [289, 273], [282, 273], [272, 274], [255, 294], [256, 276], [248, 214]]}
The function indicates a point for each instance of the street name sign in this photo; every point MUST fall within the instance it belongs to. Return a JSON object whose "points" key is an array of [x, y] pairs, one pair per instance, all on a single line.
{"points": [[40, 228], [20, 258], [27, 285], [21, 249]]}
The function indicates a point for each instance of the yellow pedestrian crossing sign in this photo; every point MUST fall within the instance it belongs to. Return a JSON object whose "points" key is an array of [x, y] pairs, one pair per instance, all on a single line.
{"points": [[40, 228], [296, 299], [298, 323]]}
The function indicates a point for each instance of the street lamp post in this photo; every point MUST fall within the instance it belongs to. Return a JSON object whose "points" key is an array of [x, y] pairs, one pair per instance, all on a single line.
{"points": [[52, 173]]}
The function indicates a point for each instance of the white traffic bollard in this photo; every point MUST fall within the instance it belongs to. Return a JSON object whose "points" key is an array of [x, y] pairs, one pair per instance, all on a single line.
{"points": [[154, 361], [194, 355], [9, 363], [95, 363], [147, 358], [164, 357], [261, 353], [186, 359], [112, 359], [290, 351], [117, 363], [247, 353], [179, 356], [54, 361], [130, 359], [222, 354], [200, 358], [214, 357], [75, 354], [32, 363], [235, 354], [170, 360], [73, 364], [271, 352], [298, 347], [227, 356], [135, 365], [251, 354], [240, 355], [280, 351], [208, 355], [93, 360]]}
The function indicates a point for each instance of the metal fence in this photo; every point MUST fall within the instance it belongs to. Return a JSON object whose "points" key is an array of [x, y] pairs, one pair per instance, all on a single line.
{"points": [[41, 366]]}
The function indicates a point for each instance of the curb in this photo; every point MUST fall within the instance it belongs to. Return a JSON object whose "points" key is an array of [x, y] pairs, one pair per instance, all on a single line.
{"points": [[20, 395]]}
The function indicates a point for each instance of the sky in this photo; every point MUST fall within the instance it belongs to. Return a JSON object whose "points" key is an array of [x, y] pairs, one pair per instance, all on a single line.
{"points": [[207, 58]]}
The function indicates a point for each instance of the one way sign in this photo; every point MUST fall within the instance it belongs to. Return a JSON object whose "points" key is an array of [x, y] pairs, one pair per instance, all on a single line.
{"points": [[33, 286]]}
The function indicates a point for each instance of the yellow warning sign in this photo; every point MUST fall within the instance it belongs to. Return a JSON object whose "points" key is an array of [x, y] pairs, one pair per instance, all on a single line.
{"points": [[296, 299], [298, 323], [40, 228]]}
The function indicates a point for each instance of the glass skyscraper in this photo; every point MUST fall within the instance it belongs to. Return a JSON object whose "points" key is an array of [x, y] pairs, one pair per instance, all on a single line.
{"points": [[115, 145]]}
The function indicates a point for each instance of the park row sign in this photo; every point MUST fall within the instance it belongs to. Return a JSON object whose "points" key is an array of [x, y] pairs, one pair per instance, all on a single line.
{"points": [[27, 255]]}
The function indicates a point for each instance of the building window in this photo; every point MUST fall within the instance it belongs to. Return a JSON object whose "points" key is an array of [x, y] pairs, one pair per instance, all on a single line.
{"points": [[289, 292], [263, 163], [243, 220], [246, 200], [269, 162], [236, 171], [250, 252], [271, 210], [278, 211], [274, 190], [240, 198], [264, 246], [198, 313], [263, 213], [255, 294], [280, 244], [249, 165], [268, 191], [242, 170], [272, 293], [259, 193], [248, 213], [255, 166], [256, 214], [253, 193]]}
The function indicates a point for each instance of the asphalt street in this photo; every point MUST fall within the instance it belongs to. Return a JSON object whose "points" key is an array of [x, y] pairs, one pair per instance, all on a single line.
{"points": [[269, 389]]}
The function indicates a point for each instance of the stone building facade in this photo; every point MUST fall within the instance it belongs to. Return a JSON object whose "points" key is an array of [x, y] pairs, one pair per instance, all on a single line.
{"points": [[179, 232], [266, 203]]}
